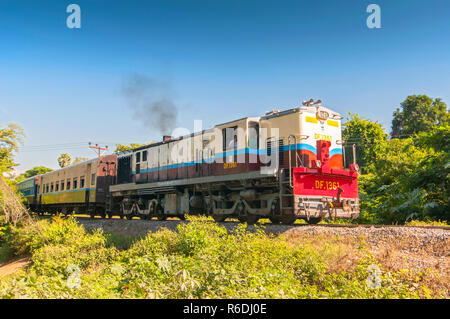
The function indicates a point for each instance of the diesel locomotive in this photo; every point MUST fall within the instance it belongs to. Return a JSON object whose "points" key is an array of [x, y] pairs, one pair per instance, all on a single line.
{"points": [[285, 165]]}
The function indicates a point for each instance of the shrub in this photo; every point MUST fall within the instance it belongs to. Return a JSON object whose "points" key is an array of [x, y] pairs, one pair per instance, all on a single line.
{"points": [[200, 260]]}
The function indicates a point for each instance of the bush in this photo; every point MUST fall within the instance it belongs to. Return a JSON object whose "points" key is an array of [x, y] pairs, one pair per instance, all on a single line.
{"points": [[200, 260]]}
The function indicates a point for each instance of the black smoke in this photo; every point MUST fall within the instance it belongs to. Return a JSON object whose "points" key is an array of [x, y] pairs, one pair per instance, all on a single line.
{"points": [[152, 102]]}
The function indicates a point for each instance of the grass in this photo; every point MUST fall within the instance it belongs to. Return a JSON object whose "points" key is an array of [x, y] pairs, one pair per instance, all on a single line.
{"points": [[427, 223], [200, 260]]}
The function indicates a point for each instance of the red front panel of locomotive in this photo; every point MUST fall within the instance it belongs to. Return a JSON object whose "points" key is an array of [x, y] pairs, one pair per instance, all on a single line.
{"points": [[313, 182]]}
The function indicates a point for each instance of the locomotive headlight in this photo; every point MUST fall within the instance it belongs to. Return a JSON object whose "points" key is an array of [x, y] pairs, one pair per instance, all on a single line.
{"points": [[322, 115]]}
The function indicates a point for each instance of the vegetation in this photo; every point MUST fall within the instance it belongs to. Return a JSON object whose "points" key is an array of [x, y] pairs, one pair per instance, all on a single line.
{"points": [[404, 179], [125, 148], [37, 170], [79, 160], [419, 113], [200, 260], [11, 137], [64, 160]]}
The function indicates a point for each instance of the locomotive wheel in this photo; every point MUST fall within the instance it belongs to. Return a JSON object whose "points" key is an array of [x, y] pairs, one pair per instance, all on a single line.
{"points": [[143, 216], [121, 216], [110, 215], [182, 217], [129, 216], [92, 215], [275, 220], [219, 218], [288, 219], [252, 219], [313, 221]]}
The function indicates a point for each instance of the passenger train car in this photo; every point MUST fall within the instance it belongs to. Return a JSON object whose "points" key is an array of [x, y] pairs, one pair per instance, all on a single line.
{"points": [[285, 165], [80, 188], [28, 189]]}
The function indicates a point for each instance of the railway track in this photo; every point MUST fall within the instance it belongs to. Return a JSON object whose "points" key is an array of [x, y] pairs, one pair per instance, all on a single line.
{"points": [[175, 221]]}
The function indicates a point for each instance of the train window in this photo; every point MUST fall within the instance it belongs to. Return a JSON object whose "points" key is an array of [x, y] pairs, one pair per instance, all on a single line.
{"points": [[253, 132], [68, 184], [56, 187], [93, 179], [138, 168], [51, 188], [138, 157], [82, 182], [62, 185], [75, 183], [144, 156], [229, 138]]}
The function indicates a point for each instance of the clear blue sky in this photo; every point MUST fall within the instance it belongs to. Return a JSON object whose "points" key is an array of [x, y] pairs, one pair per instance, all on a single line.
{"points": [[223, 60]]}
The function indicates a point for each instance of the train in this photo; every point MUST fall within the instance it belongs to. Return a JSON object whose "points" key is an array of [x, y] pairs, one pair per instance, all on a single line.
{"points": [[284, 165]]}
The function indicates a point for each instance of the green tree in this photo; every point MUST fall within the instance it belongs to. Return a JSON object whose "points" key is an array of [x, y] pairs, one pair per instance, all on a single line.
{"points": [[409, 179], [125, 148], [64, 160], [396, 158], [365, 134], [418, 113], [11, 136], [33, 172], [79, 160]]}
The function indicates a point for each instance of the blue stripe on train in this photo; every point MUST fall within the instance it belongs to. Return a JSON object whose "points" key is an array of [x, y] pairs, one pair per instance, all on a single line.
{"points": [[241, 151]]}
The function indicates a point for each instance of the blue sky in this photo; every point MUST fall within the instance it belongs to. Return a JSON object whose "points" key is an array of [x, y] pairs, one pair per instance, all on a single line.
{"points": [[221, 59]]}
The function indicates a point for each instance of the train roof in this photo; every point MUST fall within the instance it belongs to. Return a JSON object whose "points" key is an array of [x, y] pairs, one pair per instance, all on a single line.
{"points": [[28, 179], [166, 142], [71, 166], [311, 109]]}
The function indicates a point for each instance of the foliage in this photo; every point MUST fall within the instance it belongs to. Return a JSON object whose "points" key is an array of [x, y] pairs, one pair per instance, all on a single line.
{"points": [[37, 170], [419, 113], [64, 160], [200, 260], [79, 160], [427, 222], [365, 134], [11, 136], [409, 179], [125, 148]]}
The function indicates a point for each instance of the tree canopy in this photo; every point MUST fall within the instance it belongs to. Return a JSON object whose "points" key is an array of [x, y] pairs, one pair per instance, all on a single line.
{"points": [[79, 160], [365, 134], [125, 148], [418, 113], [64, 160], [33, 172], [11, 136]]}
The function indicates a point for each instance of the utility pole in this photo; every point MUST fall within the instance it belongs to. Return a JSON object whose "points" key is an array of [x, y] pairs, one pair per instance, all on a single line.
{"points": [[98, 148]]}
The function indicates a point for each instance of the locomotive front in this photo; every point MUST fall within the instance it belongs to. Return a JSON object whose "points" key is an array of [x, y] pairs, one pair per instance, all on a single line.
{"points": [[322, 188]]}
